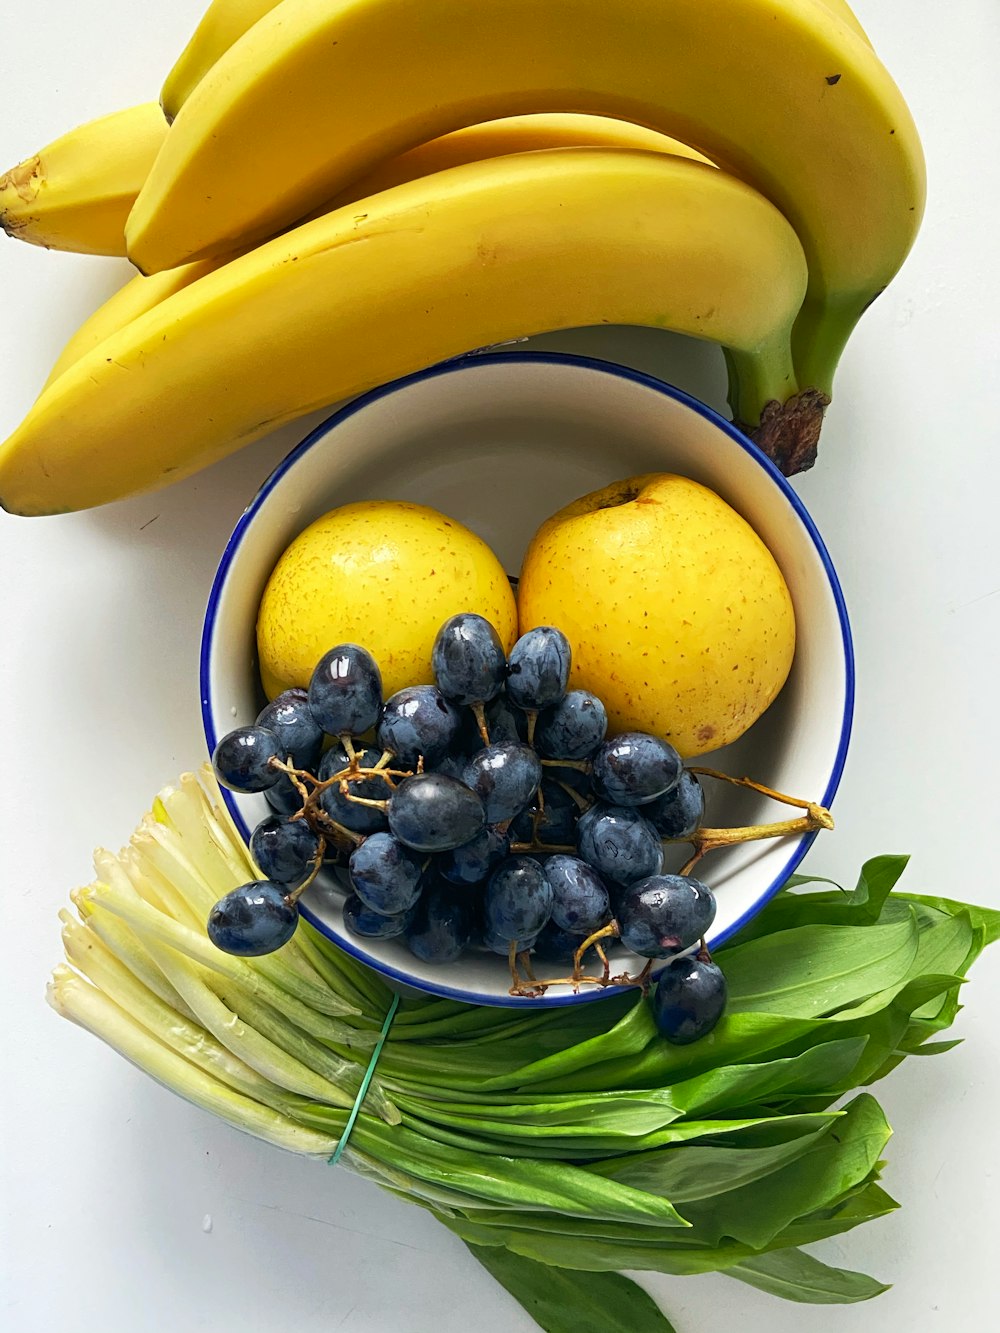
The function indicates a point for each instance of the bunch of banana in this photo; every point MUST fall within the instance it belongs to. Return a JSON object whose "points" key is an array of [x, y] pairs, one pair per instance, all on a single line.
{"points": [[428, 193]]}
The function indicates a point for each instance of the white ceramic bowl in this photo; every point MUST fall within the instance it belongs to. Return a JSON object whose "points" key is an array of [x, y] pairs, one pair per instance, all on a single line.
{"points": [[500, 441]]}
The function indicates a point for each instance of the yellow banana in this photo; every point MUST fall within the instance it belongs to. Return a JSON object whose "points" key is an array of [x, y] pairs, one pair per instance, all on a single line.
{"points": [[496, 138], [841, 10], [781, 92], [227, 20], [76, 193], [224, 22], [467, 257], [127, 304], [99, 144]]}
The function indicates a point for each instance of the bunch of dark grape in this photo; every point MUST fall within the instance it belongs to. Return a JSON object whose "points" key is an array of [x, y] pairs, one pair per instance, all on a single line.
{"points": [[489, 811]]}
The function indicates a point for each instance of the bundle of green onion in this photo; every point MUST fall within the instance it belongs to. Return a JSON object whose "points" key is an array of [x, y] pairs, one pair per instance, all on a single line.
{"points": [[564, 1139]]}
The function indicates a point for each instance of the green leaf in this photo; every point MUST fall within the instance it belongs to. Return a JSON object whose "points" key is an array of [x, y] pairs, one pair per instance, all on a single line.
{"points": [[986, 917], [812, 970], [694, 1171], [561, 1301], [735, 1086], [840, 1159], [797, 1276], [876, 881]]}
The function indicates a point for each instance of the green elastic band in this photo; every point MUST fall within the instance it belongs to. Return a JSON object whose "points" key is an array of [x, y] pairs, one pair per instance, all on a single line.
{"points": [[366, 1081]]}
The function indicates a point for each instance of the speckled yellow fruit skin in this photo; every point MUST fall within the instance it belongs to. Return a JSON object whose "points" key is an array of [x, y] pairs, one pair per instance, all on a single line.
{"points": [[384, 574], [678, 616]]}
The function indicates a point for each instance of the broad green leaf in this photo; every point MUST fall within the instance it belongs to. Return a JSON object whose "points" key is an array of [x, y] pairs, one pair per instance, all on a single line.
{"points": [[840, 1159], [735, 1086], [691, 1171], [986, 917], [812, 970], [517, 1182], [737, 1037], [877, 879], [563, 1302], [797, 1276]]}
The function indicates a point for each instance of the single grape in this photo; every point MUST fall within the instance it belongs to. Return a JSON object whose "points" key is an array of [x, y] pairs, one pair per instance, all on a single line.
{"points": [[442, 924], [299, 734], [689, 1000], [361, 920], [664, 914], [573, 728], [580, 902], [451, 766], [252, 920], [284, 796], [358, 818], [679, 812], [433, 813], [468, 660], [556, 825], [559, 946], [242, 759], [415, 721], [518, 899], [284, 849], [634, 768], [504, 722], [345, 691], [497, 942], [538, 669], [473, 861], [619, 843], [385, 875], [505, 778]]}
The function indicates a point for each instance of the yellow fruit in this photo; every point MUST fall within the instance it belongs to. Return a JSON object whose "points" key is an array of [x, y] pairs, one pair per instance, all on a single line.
{"points": [[678, 615], [384, 574]]}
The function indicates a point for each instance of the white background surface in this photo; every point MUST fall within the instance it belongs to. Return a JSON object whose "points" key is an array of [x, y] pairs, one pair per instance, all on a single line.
{"points": [[108, 1181]]}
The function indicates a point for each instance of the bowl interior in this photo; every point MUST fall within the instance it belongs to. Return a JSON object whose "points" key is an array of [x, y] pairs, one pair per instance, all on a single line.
{"points": [[500, 442]]}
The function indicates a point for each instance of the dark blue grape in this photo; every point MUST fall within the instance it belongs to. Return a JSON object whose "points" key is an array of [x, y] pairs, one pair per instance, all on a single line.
{"points": [[418, 720], [361, 920], [634, 768], [433, 813], [504, 722], [580, 902], [284, 796], [452, 766], [473, 861], [556, 825], [505, 778], [619, 843], [689, 1000], [358, 818], [573, 728], [345, 692], [252, 920], [468, 660], [559, 946], [385, 875], [299, 734], [680, 811], [518, 899], [496, 942], [242, 759], [664, 914], [284, 849], [538, 669], [442, 924]]}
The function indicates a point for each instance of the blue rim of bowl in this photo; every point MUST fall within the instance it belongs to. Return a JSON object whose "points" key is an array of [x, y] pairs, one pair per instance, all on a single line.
{"points": [[454, 366]]}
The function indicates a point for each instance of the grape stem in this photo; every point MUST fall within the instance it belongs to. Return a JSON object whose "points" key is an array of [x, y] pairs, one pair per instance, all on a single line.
{"points": [[292, 898], [705, 840], [582, 765], [479, 712]]}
